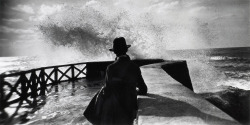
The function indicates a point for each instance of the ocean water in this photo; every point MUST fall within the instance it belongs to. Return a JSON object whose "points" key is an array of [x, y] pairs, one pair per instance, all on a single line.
{"points": [[15, 63], [216, 69], [234, 63]]}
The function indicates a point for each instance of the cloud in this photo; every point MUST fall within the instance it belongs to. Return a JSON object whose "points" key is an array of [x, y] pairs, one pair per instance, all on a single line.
{"points": [[4, 39], [24, 8], [13, 20], [198, 9], [5, 29], [46, 10], [91, 3], [31, 37], [226, 16], [163, 6]]}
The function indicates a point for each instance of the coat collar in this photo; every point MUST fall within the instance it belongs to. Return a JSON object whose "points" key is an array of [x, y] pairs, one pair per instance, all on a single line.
{"points": [[122, 58]]}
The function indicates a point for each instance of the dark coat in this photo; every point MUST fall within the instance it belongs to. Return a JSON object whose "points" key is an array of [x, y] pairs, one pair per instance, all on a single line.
{"points": [[123, 70], [122, 78], [116, 102]]}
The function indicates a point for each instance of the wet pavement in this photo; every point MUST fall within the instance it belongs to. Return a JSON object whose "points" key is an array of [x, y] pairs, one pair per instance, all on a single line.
{"points": [[64, 104]]}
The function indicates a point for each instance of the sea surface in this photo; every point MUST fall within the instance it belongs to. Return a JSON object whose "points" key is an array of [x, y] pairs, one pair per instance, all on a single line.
{"points": [[235, 64], [211, 70]]}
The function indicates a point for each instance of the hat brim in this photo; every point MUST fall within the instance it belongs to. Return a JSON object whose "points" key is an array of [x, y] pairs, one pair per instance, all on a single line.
{"points": [[112, 49]]}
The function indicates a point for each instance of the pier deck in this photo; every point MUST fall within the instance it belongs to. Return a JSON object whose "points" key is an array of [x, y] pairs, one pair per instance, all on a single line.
{"points": [[169, 102]]}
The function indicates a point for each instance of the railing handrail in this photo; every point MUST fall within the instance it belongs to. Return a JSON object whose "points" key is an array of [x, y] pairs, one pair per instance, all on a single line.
{"points": [[63, 65], [47, 67]]}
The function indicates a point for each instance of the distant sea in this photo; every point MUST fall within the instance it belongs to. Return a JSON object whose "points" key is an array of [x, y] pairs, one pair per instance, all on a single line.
{"points": [[15, 64], [234, 63], [219, 67]]}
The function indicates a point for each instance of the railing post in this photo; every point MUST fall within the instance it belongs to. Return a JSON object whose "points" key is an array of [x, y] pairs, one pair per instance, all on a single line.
{"points": [[24, 88], [72, 72], [4, 114], [43, 84], [2, 94], [33, 87], [56, 75], [56, 79]]}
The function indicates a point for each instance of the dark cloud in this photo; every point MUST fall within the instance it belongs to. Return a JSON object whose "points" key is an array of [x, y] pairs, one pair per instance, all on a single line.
{"points": [[6, 51], [5, 45], [4, 35], [6, 12]]}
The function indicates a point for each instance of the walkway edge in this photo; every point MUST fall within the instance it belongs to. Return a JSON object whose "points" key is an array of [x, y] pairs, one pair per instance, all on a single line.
{"points": [[169, 102]]}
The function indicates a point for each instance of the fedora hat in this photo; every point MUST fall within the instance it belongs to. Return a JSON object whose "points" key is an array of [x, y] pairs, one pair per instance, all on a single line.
{"points": [[119, 44]]}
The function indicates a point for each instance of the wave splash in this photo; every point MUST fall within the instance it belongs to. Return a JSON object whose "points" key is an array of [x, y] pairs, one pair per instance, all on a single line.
{"points": [[92, 27], [88, 30]]}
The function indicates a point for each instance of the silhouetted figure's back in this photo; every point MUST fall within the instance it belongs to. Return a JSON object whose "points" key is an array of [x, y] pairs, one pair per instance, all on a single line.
{"points": [[119, 102]]}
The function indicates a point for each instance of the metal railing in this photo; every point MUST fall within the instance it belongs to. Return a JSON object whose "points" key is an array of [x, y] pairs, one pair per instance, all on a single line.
{"points": [[28, 85]]}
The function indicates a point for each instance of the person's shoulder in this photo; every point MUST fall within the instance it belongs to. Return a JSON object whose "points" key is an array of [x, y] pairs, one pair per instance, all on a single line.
{"points": [[111, 65], [133, 64]]}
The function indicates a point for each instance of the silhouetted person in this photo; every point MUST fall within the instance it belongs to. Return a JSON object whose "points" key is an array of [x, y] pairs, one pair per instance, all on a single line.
{"points": [[118, 98]]}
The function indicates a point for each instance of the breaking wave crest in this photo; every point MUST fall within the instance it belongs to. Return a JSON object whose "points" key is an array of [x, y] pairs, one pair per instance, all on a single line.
{"points": [[90, 31], [92, 27], [227, 58]]}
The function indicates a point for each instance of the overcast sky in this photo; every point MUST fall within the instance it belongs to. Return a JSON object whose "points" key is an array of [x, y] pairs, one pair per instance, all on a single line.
{"points": [[227, 20]]}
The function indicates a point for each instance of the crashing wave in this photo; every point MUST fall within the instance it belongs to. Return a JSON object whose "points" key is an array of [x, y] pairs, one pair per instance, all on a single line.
{"points": [[227, 58]]}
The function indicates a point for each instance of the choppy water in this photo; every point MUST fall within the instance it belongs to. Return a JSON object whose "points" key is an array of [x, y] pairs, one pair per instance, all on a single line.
{"points": [[15, 63], [211, 69]]}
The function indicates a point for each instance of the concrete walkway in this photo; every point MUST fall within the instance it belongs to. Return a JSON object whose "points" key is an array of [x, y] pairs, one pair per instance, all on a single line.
{"points": [[170, 103]]}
